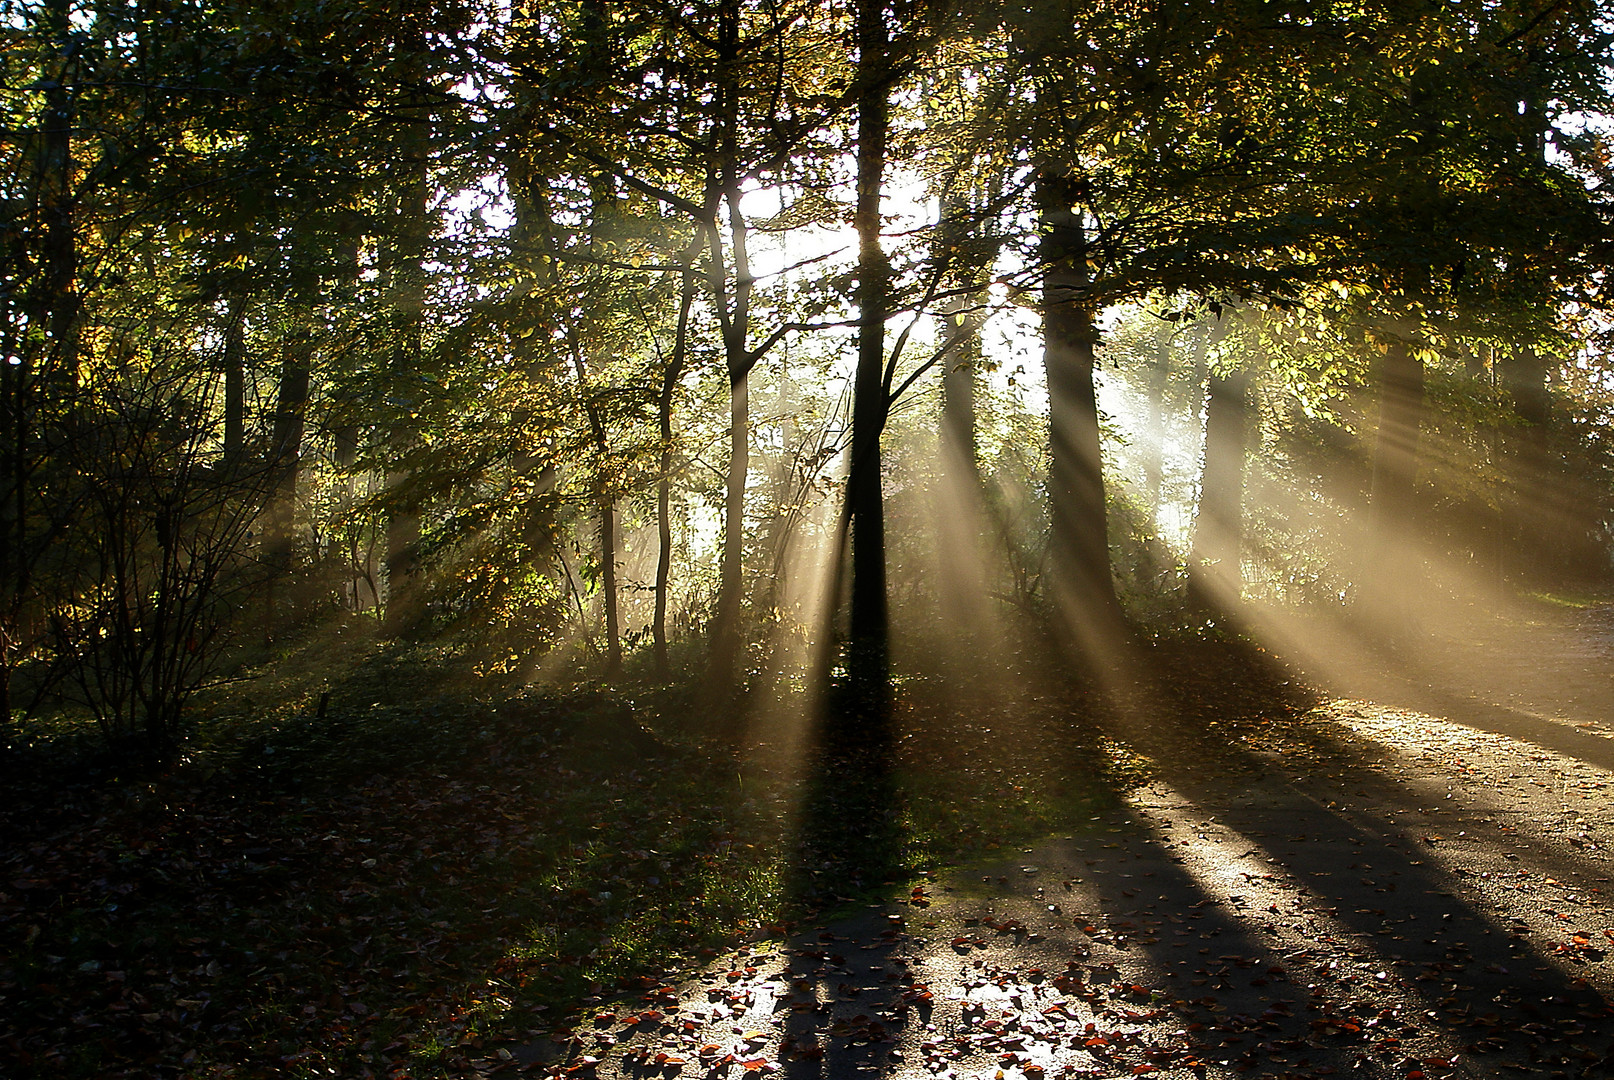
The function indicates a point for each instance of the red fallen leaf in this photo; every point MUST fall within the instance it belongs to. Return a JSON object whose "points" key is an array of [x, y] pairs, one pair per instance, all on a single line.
{"points": [[669, 1060], [755, 1065], [1139, 1070]]}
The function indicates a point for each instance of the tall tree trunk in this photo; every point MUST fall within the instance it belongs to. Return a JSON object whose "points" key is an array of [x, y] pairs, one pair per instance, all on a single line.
{"points": [[56, 306], [14, 449], [235, 381], [1536, 524], [1154, 463], [670, 378], [961, 353], [726, 631], [1082, 588], [285, 457], [608, 585], [606, 507], [734, 319], [868, 656], [405, 602], [961, 580], [1215, 580], [1392, 568], [282, 472]]}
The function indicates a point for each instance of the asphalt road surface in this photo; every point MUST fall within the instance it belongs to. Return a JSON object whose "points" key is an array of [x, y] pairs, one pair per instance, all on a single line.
{"points": [[1416, 885]]}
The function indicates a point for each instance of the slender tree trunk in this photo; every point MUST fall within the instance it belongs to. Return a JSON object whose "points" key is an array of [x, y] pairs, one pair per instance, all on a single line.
{"points": [[734, 318], [726, 633], [412, 227], [1154, 464], [57, 308], [235, 382], [402, 558], [1392, 570], [670, 378], [285, 457], [14, 475], [961, 579], [958, 410], [1396, 449], [868, 657], [1535, 527], [45, 376], [664, 542], [608, 585], [1215, 581], [1082, 588], [534, 237], [961, 352], [606, 507]]}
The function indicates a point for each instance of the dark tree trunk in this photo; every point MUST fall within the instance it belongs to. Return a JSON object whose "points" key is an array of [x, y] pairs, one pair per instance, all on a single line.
{"points": [[1396, 449], [669, 386], [658, 621], [726, 631], [1391, 570], [15, 448], [285, 457], [606, 506], [608, 586], [1154, 464], [235, 381], [1215, 579], [1536, 521], [57, 303], [961, 352], [868, 658], [734, 317], [958, 411], [1081, 587], [411, 232], [960, 507]]}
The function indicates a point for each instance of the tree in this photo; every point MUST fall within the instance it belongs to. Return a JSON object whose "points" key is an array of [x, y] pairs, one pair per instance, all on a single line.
{"points": [[1215, 579]]}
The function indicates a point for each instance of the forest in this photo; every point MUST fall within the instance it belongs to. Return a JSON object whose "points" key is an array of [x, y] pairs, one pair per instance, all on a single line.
{"points": [[780, 418]]}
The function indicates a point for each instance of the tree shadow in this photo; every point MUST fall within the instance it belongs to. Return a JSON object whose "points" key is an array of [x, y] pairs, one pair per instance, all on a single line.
{"points": [[1246, 911]]}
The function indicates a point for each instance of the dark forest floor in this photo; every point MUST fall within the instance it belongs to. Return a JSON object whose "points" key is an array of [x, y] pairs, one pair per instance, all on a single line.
{"points": [[1200, 869]]}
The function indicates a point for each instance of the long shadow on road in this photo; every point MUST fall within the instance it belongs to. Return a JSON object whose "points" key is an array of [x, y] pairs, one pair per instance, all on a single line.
{"points": [[1286, 898]]}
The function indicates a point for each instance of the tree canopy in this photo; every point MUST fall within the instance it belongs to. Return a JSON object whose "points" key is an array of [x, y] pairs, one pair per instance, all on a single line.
{"points": [[599, 336]]}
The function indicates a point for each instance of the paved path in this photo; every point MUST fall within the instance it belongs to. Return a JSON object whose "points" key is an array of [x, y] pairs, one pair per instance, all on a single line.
{"points": [[1386, 893]]}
